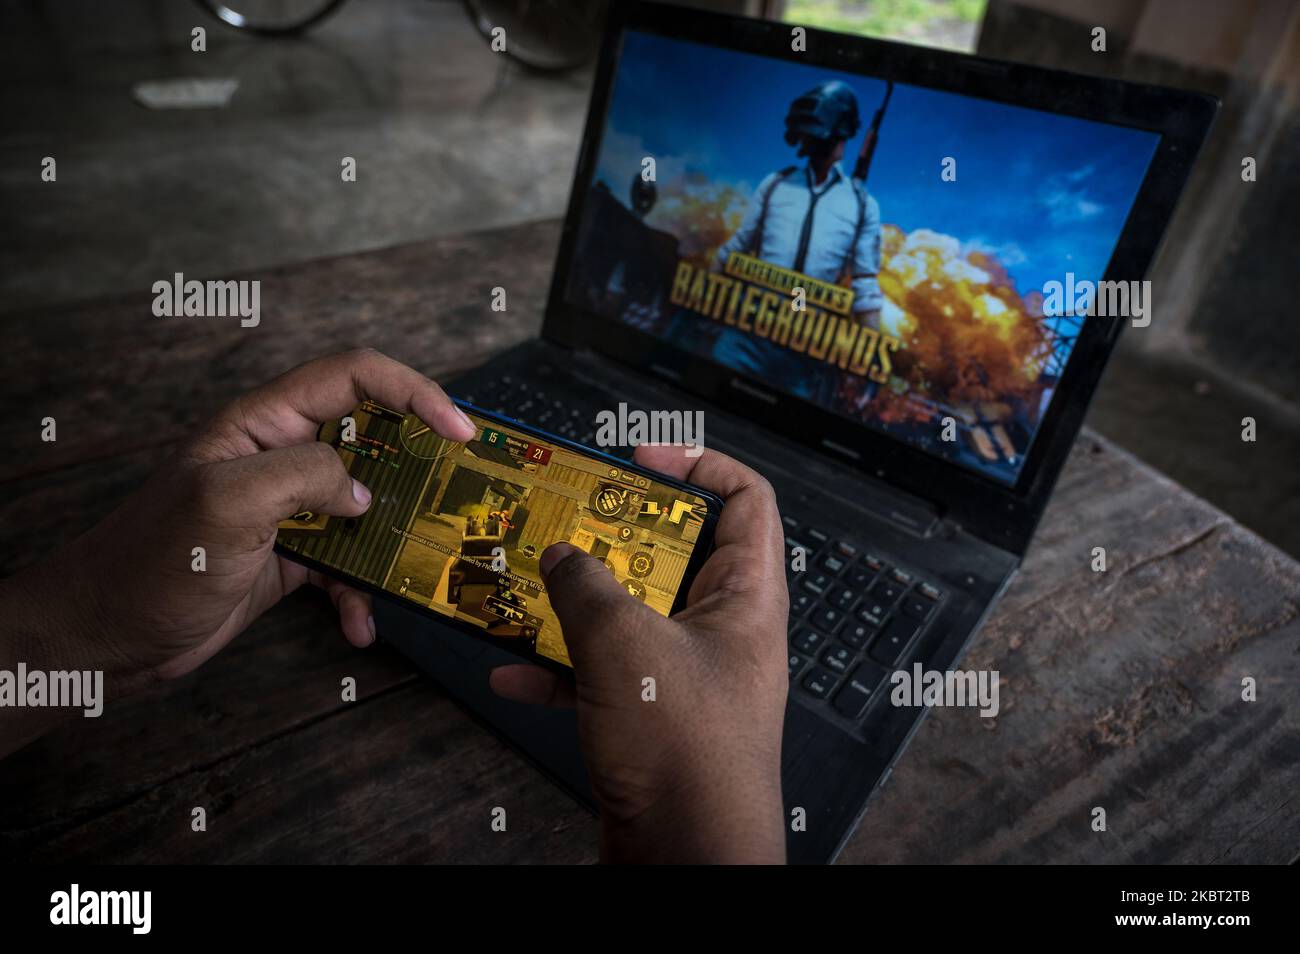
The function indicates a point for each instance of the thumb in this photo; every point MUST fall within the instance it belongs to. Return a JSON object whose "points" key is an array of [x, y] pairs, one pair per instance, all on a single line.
{"points": [[265, 488], [590, 602]]}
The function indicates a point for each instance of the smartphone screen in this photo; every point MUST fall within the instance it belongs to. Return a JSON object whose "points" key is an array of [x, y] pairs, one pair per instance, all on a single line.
{"points": [[457, 528]]}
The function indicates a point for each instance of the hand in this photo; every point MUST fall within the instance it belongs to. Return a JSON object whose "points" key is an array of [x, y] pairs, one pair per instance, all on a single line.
{"points": [[142, 610], [696, 774]]}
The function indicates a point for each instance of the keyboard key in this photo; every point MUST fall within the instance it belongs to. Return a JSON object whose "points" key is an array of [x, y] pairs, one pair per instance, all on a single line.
{"points": [[826, 618], [858, 690], [817, 583], [832, 564], [873, 613], [851, 700], [808, 641], [812, 586], [859, 578], [819, 683], [873, 562], [888, 647], [901, 577], [843, 599], [838, 659], [929, 591], [846, 549], [799, 603], [869, 675], [856, 635], [887, 591], [819, 537], [796, 664], [791, 523], [917, 607]]}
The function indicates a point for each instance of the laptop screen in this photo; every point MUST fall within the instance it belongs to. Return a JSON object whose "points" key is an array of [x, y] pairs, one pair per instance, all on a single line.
{"points": [[913, 260]]}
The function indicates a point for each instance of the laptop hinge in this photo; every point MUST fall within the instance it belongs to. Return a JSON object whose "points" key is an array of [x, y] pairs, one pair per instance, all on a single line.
{"points": [[888, 503], [885, 502]]}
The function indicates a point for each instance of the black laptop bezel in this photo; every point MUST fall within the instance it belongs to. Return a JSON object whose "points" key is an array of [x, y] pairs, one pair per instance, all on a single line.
{"points": [[1000, 514]]}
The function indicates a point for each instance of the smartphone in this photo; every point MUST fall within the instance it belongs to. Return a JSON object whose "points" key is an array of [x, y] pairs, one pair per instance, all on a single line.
{"points": [[455, 530]]}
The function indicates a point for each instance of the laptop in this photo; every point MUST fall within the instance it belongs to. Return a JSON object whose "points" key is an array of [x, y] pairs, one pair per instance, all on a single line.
{"points": [[945, 221]]}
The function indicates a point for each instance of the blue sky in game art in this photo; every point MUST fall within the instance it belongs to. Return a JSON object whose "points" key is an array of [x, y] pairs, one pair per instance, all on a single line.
{"points": [[1045, 193]]}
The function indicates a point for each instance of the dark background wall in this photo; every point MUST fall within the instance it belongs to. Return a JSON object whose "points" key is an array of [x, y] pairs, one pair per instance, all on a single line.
{"points": [[1225, 279]]}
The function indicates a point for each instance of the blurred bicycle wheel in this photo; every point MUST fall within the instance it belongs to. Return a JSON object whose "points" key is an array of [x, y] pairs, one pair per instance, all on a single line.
{"points": [[271, 17], [548, 35]]}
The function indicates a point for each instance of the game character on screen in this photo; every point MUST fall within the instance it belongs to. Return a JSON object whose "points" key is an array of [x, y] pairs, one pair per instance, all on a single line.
{"points": [[813, 219]]}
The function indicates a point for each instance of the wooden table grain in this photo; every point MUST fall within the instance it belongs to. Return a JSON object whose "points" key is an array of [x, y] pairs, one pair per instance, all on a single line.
{"points": [[1119, 689]]}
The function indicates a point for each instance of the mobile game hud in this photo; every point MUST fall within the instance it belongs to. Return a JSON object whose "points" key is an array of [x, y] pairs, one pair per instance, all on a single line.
{"points": [[458, 528], [878, 249]]}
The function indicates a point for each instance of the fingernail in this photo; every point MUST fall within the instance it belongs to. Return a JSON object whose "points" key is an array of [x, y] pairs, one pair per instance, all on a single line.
{"points": [[370, 624], [360, 493], [461, 414], [553, 555]]}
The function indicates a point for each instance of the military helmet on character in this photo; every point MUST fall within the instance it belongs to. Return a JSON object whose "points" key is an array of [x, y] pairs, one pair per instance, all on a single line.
{"points": [[828, 111]]}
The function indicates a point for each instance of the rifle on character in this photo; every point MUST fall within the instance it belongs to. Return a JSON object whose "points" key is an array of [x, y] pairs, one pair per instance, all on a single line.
{"points": [[868, 149], [851, 391]]}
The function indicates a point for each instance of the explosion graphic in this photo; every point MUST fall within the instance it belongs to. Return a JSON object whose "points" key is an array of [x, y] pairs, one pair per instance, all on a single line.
{"points": [[972, 346], [701, 214]]}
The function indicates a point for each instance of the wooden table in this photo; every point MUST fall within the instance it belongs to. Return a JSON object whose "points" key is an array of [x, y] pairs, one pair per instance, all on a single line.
{"points": [[1120, 689]]}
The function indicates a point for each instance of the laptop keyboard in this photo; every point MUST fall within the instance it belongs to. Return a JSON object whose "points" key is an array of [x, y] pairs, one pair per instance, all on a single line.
{"points": [[856, 614], [560, 414]]}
